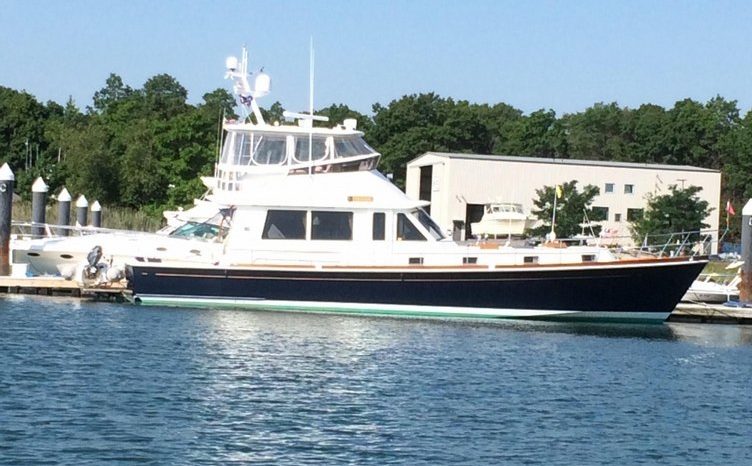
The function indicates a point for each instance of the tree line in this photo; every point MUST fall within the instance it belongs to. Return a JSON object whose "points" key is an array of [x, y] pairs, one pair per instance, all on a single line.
{"points": [[146, 147]]}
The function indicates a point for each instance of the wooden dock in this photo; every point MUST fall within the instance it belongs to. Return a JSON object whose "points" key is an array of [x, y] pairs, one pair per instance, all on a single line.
{"points": [[58, 286], [700, 313]]}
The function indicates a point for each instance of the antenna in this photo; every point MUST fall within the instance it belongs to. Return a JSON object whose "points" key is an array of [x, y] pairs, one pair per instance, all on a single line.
{"points": [[237, 70], [310, 110]]}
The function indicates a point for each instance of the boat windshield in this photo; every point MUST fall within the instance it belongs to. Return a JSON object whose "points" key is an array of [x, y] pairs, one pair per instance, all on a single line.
{"points": [[245, 148], [351, 146], [194, 230], [429, 224], [319, 149]]}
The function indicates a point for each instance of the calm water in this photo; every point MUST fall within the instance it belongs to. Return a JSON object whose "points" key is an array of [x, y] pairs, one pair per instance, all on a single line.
{"points": [[86, 383]]}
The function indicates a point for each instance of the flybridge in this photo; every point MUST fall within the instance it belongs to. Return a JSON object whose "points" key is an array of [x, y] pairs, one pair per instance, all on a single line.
{"points": [[253, 146]]}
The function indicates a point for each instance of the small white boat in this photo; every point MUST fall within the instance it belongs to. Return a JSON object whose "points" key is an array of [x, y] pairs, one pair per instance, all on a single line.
{"points": [[708, 289], [503, 219]]}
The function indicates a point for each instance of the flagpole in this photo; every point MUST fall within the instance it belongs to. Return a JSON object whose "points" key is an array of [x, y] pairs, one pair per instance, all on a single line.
{"points": [[553, 217]]}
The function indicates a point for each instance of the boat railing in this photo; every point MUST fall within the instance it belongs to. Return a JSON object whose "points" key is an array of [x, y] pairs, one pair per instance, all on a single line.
{"points": [[685, 243], [35, 230]]}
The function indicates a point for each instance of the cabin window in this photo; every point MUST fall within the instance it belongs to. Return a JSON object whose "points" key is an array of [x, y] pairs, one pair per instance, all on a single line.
{"points": [[415, 261], [269, 149], [331, 225], [245, 143], [227, 148], [406, 231], [588, 258], [429, 224], [379, 230], [350, 147], [634, 214], [469, 260], [318, 152], [609, 187], [530, 260], [285, 224], [598, 214]]}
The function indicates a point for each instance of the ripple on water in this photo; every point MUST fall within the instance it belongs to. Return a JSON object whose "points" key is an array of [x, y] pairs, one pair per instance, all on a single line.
{"points": [[90, 384]]}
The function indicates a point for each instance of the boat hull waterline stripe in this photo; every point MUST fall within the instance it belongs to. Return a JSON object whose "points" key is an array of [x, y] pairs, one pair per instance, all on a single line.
{"points": [[395, 310]]}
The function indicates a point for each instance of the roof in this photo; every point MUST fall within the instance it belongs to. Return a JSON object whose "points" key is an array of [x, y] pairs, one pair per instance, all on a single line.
{"points": [[351, 190], [555, 161]]}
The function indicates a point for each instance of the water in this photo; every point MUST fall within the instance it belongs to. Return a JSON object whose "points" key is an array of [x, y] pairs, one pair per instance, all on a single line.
{"points": [[86, 383]]}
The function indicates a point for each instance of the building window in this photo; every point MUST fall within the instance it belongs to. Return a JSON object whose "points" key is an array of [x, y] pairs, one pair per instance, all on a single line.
{"points": [[609, 187], [406, 231], [628, 189], [634, 214], [285, 224], [598, 214], [379, 219], [331, 225], [617, 217]]}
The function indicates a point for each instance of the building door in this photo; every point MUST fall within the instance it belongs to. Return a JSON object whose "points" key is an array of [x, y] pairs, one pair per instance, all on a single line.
{"points": [[473, 213], [424, 189]]}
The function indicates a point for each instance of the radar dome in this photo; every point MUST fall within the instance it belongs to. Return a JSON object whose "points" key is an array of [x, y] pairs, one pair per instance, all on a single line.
{"points": [[262, 85], [231, 63]]}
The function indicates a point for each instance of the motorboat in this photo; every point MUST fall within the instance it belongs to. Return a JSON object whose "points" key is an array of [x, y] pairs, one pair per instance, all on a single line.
{"points": [[315, 227], [714, 287], [502, 219]]}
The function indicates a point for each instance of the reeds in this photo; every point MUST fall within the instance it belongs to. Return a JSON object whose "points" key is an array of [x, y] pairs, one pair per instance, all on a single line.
{"points": [[118, 218]]}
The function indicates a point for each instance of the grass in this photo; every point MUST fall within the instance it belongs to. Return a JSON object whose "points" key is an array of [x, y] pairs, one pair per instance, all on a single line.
{"points": [[118, 218]]}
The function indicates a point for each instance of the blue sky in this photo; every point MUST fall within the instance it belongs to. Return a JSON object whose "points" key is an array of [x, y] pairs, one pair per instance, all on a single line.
{"points": [[563, 55]]}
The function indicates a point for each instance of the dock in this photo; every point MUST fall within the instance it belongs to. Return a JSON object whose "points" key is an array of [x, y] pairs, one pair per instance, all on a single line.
{"points": [[701, 313], [58, 286]]}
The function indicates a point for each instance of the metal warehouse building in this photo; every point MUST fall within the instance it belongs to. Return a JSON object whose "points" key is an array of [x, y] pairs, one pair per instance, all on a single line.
{"points": [[458, 185]]}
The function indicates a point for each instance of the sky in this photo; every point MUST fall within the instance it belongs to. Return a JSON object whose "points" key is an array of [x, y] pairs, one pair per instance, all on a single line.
{"points": [[560, 55]]}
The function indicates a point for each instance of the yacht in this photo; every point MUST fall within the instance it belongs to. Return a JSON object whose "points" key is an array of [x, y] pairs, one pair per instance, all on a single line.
{"points": [[502, 219], [311, 225]]}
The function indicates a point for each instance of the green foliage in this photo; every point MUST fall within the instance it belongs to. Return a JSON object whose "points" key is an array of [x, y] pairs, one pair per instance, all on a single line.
{"points": [[571, 209], [681, 210], [147, 147]]}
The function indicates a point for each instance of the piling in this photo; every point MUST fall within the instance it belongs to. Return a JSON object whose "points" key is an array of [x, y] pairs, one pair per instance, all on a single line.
{"points": [[38, 206], [82, 207], [745, 287], [6, 205], [96, 214], [63, 212]]}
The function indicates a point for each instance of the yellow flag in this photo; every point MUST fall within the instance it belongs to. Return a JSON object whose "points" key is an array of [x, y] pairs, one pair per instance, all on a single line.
{"points": [[558, 191]]}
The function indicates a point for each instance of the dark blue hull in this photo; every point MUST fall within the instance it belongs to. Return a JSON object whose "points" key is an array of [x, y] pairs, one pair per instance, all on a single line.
{"points": [[639, 287]]}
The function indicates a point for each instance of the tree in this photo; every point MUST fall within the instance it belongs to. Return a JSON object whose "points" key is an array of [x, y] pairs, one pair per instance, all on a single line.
{"points": [[681, 210], [113, 92], [536, 135], [571, 208]]}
